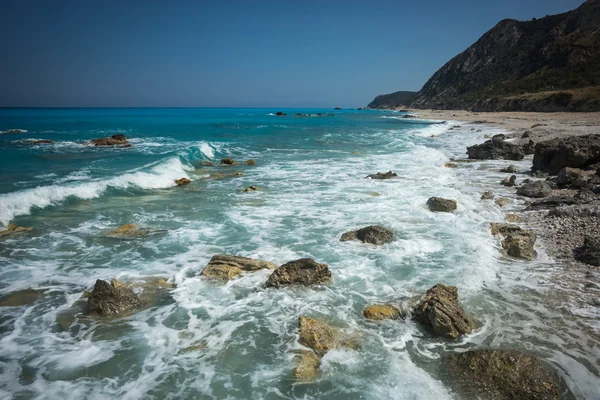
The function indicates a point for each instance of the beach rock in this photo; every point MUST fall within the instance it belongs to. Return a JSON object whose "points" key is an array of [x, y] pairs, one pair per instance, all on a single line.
{"points": [[378, 312], [510, 182], [438, 204], [528, 148], [130, 231], [251, 162], [307, 369], [304, 271], [502, 201], [526, 134], [225, 267], [227, 161], [495, 149], [182, 181], [518, 242], [440, 310], [488, 195], [112, 299], [573, 151], [373, 234], [19, 298], [114, 140], [513, 218], [317, 335], [41, 141], [251, 189], [13, 229], [381, 175], [450, 165], [574, 177], [535, 189], [503, 375], [511, 169], [499, 136], [589, 253]]}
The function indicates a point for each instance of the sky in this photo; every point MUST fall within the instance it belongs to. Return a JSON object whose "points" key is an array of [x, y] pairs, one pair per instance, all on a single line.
{"points": [[205, 53]]}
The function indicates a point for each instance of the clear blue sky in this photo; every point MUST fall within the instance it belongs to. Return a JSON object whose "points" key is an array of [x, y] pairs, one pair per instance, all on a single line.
{"points": [[235, 53]]}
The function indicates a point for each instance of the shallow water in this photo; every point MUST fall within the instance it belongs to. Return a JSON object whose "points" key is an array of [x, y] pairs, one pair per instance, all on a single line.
{"points": [[311, 171]]}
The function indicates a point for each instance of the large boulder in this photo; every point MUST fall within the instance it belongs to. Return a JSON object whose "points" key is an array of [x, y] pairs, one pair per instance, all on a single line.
{"points": [[589, 253], [502, 375], [304, 271], [573, 151], [439, 309], [517, 242], [535, 189], [374, 234], [438, 204], [13, 229], [495, 149], [378, 312], [114, 140], [112, 299], [225, 267], [382, 175]]}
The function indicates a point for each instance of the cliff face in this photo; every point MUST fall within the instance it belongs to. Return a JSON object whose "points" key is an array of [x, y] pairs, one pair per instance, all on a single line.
{"points": [[392, 100], [547, 64]]}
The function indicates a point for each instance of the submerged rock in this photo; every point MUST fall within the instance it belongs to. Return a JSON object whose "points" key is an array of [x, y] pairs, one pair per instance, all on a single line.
{"points": [[41, 141], [381, 175], [307, 369], [440, 311], [112, 299], [503, 375], [374, 234], [438, 204], [573, 151], [589, 253], [131, 231], [227, 161], [182, 181], [225, 267], [114, 140], [23, 297], [518, 242], [13, 229], [488, 195], [304, 271], [502, 201], [450, 165], [511, 169], [251, 162], [378, 312], [251, 189], [535, 189], [495, 149]]}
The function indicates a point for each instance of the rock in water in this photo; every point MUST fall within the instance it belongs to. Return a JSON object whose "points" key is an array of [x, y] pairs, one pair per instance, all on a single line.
{"points": [[503, 375], [13, 229], [381, 175], [440, 311], [574, 151], [20, 298], [308, 366], [225, 267], [438, 204], [182, 181], [227, 161], [528, 148], [511, 169], [251, 162], [589, 253], [112, 299], [450, 165], [510, 182], [488, 195], [304, 271], [114, 140], [130, 231], [317, 335], [378, 312], [518, 242], [374, 234], [495, 149], [535, 189]]}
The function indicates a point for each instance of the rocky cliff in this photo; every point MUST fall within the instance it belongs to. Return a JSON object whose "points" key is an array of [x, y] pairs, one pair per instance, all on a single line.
{"points": [[546, 64], [392, 100]]}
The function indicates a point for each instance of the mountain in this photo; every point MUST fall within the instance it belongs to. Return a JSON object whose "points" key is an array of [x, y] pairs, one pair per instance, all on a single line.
{"points": [[546, 64], [392, 100]]}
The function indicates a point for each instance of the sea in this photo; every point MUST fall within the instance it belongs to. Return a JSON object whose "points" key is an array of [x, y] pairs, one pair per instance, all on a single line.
{"points": [[238, 339]]}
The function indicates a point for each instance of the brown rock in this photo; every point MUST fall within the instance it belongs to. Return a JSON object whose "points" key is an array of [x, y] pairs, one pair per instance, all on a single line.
{"points": [[379, 312], [450, 165], [21, 298], [41, 141], [513, 218], [112, 299], [227, 161], [317, 335], [304, 271], [182, 181], [252, 189], [251, 162], [518, 242], [13, 229], [225, 267], [114, 140], [438, 204], [440, 311], [308, 366], [382, 175], [502, 201], [130, 231], [488, 195]]}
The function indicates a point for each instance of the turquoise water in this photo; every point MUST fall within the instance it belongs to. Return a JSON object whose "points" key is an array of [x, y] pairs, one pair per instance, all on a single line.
{"points": [[311, 171]]}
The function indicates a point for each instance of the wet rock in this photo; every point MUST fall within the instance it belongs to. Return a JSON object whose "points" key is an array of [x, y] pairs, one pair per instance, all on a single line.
{"points": [[304, 271], [41, 141], [112, 299], [374, 234], [526, 134], [251, 162], [227, 161], [317, 335], [535, 189], [208, 163], [589, 253], [450, 165], [518, 242], [502, 201], [511, 169], [24, 297], [440, 311], [495, 149], [378, 312], [182, 181], [131, 231], [488, 195], [513, 218], [307, 369], [114, 140], [13, 229], [503, 375], [438, 204], [280, 113], [381, 175], [510, 182], [251, 189], [573, 151], [225, 267], [15, 131], [528, 148]]}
